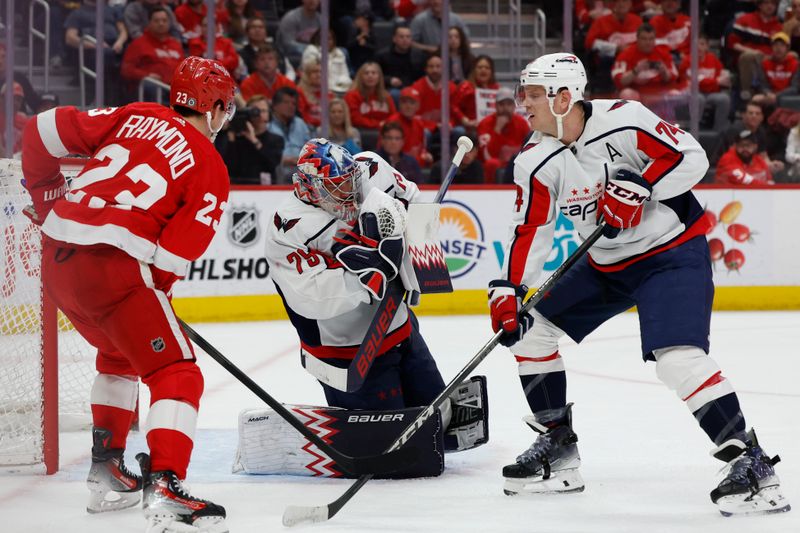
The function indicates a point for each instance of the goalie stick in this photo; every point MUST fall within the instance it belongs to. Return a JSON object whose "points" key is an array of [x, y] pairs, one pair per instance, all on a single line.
{"points": [[352, 377], [297, 514], [364, 465]]}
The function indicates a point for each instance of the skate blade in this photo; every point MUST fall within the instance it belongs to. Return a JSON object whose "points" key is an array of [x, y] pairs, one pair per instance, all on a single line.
{"points": [[768, 500], [99, 502], [561, 482], [167, 523]]}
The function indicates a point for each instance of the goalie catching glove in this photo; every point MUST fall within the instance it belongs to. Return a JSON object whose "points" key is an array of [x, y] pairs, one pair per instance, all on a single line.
{"points": [[505, 302], [375, 262], [622, 202]]}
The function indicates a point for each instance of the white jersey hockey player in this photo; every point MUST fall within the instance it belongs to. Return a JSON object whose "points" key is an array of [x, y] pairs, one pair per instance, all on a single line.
{"points": [[615, 161], [328, 296]]}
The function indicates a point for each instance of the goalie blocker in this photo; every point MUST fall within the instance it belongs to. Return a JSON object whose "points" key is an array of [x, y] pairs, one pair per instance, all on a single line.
{"points": [[269, 445]]}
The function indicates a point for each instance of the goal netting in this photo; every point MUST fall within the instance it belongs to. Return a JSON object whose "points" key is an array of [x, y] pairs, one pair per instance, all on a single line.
{"points": [[37, 392]]}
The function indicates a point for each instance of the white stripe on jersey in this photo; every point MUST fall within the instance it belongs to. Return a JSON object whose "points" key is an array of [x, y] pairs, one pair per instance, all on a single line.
{"points": [[48, 132]]}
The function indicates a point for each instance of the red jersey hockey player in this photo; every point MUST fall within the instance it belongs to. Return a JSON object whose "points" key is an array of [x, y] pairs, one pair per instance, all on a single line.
{"points": [[116, 238]]}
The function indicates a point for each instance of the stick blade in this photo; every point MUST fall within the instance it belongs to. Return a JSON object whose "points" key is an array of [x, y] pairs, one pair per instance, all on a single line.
{"points": [[384, 463], [300, 514]]}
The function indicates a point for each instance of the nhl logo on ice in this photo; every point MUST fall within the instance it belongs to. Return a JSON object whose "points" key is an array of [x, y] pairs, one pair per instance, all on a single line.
{"points": [[158, 344], [244, 229]]}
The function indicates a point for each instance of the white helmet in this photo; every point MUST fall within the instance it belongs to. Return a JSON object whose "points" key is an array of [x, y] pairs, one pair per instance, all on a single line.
{"points": [[554, 72]]}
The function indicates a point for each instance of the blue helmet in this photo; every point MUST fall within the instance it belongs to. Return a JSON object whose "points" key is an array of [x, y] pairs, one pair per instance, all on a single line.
{"points": [[327, 176]]}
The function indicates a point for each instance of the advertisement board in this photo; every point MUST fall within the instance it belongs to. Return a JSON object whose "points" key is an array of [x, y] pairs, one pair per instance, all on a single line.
{"points": [[750, 244]]}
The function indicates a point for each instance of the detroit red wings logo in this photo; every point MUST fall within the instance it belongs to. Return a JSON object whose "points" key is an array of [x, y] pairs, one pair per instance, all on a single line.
{"points": [[284, 225], [318, 422]]}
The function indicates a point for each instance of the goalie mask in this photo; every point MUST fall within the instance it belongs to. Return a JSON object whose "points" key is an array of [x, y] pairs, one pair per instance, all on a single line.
{"points": [[327, 176], [555, 72]]}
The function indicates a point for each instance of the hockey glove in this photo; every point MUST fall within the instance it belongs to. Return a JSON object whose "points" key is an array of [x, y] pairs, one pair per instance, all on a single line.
{"points": [[505, 303], [621, 204], [44, 196], [374, 266], [365, 233]]}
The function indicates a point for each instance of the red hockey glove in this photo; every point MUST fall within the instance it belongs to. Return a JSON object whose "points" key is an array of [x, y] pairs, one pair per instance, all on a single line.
{"points": [[44, 195], [505, 303], [621, 204]]}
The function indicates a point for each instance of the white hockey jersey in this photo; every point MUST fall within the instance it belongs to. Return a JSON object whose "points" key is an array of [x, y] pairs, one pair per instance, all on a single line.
{"points": [[327, 305], [551, 177]]}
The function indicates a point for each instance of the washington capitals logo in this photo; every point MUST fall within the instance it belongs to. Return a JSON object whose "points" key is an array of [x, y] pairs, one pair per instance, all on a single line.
{"points": [[283, 224], [372, 164], [244, 229], [567, 59], [617, 104]]}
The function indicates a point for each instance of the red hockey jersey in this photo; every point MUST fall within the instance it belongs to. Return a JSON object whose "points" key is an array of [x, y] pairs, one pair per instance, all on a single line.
{"points": [[779, 73], [154, 187], [148, 55]]}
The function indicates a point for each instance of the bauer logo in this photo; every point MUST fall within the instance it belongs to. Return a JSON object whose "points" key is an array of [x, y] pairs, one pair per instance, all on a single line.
{"points": [[244, 227], [462, 237]]}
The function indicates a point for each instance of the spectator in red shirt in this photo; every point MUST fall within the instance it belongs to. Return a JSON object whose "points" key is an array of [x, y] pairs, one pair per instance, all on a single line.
{"points": [[750, 42], [609, 34], [430, 97], [742, 165], [672, 29], [714, 82], [778, 74], [266, 79], [155, 53], [586, 11], [224, 52], [481, 77], [501, 134], [607, 37], [192, 16], [644, 69], [369, 101], [413, 127]]}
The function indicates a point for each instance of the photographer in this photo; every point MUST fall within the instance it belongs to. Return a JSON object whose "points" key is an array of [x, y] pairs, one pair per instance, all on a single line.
{"points": [[251, 153]]}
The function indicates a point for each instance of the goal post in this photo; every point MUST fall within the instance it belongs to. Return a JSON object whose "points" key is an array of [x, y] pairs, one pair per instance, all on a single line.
{"points": [[46, 368]]}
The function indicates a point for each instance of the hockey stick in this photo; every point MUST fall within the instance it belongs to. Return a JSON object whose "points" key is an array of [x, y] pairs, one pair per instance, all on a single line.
{"points": [[371, 464], [297, 514], [352, 378]]}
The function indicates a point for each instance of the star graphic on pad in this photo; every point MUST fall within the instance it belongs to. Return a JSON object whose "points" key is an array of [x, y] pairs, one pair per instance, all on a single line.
{"points": [[574, 192], [381, 395], [586, 190]]}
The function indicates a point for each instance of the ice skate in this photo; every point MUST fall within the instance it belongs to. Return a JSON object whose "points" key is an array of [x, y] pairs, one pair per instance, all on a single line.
{"points": [[111, 485], [750, 485], [551, 464], [169, 508]]}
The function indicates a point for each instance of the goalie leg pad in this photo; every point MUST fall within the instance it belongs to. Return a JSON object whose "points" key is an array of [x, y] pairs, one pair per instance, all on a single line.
{"points": [[269, 445], [469, 421]]}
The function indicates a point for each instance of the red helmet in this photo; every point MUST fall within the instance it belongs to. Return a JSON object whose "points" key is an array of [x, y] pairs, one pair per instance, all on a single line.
{"points": [[199, 83]]}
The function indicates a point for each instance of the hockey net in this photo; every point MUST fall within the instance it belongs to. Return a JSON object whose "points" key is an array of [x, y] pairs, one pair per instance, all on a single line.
{"points": [[38, 394]]}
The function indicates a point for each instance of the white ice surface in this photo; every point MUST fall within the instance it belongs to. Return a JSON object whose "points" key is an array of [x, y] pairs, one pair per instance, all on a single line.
{"points": [[645, 460]]}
